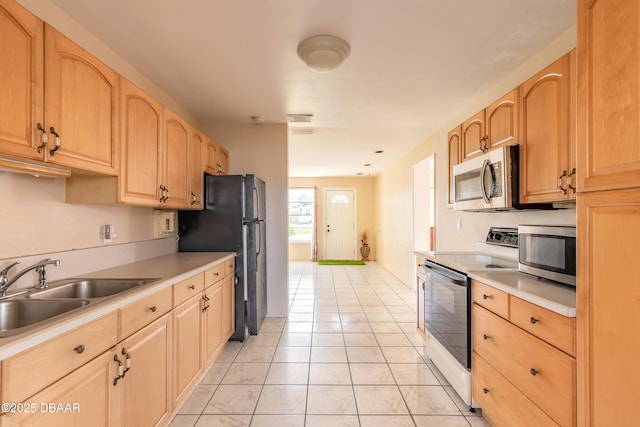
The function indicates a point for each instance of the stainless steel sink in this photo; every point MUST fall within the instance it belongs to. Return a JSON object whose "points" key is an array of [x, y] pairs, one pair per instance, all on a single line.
{"points": [[15, 315], [88, 288]]}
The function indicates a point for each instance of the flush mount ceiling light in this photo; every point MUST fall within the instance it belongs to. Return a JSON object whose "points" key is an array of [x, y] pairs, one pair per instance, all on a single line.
{"points": [[323, 53]]}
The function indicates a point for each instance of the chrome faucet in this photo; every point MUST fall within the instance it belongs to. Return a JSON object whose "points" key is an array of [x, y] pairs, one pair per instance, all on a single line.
{"points": [[5, 282]]}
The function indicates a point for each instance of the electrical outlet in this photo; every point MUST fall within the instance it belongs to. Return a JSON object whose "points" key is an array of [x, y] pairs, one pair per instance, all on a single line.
{"points": [[108, 233]]}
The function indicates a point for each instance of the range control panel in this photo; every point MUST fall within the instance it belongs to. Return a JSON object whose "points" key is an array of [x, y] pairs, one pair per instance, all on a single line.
{"points": [[503, 237]]}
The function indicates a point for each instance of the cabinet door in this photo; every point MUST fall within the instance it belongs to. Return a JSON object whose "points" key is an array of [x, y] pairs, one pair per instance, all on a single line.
{"points": [[141, 144], [223, 161], [21, 80], [473, 133], [454, 143], [81, 104], [545, 146], [145, 386], [213, 330], [608, 306], [502, 121], [176, 160], [609, 94], [228, 304], [86, 396], [187, 364], [211, 157], [196, 170]]}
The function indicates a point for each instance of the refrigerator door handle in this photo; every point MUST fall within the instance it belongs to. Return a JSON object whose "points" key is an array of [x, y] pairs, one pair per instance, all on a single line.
{"points": [[257, 205], [258, 236]]}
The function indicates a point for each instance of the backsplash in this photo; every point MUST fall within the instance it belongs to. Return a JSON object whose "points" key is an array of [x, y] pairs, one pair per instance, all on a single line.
{"points": [[83, 261]]}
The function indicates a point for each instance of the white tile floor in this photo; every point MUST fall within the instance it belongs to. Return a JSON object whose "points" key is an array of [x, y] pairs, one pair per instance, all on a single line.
{"points": [[347, 355]]}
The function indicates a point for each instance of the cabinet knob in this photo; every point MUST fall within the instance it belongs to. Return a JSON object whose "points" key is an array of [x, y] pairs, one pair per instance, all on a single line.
{"points": [[79, 349], [485, 296], [192, 287], [485, 337], [153, 308], [533, 320], [534, 372], [485, 390]]}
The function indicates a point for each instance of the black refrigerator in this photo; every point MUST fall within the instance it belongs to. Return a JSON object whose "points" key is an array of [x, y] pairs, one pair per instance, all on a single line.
{"points": [[233, 220]]}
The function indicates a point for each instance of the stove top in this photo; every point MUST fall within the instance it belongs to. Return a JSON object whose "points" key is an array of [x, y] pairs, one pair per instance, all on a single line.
{"points": [[465, 262]]}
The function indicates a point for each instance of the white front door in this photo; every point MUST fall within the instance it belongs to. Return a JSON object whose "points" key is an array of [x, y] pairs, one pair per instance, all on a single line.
{"points": [[340, 224]]}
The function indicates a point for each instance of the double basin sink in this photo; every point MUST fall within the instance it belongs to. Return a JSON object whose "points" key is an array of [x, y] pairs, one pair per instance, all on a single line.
{"points": [[21, 314]]}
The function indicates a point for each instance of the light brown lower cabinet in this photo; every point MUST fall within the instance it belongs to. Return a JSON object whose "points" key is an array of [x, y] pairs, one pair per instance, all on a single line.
{"points": [[83, 398], [143, 392], [95, 378], [187, 339], [522, 376]]}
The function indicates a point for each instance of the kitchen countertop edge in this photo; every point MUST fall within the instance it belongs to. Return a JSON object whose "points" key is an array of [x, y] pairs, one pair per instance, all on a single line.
{"points": [[168, 269]]}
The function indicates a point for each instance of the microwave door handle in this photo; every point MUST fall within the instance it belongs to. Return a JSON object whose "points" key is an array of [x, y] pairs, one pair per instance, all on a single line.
{"points": [[483, 171]]}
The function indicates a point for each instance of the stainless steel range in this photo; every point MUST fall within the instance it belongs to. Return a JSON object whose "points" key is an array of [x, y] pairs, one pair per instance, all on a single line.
{"points": [[447, 306]]}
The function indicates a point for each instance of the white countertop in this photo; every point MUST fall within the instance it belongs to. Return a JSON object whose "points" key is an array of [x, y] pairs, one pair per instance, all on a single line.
{"points": [[545, 293], [466, 262], [168, 269]]}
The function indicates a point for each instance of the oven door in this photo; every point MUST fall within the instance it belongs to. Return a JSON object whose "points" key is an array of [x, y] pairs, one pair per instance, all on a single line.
{"points": [[447, 310]]}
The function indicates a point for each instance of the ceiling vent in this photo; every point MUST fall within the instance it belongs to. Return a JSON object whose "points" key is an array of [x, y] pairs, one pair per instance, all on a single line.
{"points": [[301, 131], [299, 118]]}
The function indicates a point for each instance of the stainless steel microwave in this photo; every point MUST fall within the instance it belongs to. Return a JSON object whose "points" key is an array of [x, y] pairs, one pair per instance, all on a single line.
{"points": [[548, 251], [488, 182]]}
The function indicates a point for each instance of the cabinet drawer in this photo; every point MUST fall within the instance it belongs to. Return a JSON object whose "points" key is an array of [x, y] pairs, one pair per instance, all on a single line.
{"points": [[138, 314], [229, 267], [31, 371], [184, 290], [214, 274], [543, 373], [552, 327], [504, 404], [491, 298]]}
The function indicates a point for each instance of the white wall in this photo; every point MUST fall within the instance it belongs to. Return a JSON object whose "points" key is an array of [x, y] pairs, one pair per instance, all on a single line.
{"points": [[393, 186], [34, 218], [262, 150]]}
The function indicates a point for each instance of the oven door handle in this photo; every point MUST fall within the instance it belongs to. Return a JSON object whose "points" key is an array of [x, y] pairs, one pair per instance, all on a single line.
{"points": [[458, 278]]}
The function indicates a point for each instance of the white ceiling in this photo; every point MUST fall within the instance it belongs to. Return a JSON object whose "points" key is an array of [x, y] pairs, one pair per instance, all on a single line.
{"points": [[413, 63]]}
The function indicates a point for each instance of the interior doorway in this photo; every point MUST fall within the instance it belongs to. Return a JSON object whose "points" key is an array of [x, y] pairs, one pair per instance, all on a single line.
{"points": [[340, 223], [424, 205]]}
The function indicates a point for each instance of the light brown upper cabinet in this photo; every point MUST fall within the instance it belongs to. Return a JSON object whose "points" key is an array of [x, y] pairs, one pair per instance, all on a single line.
{"points": [[216, 161], [196, 169], [223, 160], [174, 184], [473, 136], [81, 107], [21, 80], [455, 156], [609, 95], [211, 164], [501, 121], [494, 126], [141, 147], [547, 144], [53, 89]]}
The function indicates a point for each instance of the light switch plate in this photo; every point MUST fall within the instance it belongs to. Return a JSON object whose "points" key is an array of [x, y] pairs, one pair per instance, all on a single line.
{"points": [[108, 233]]}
